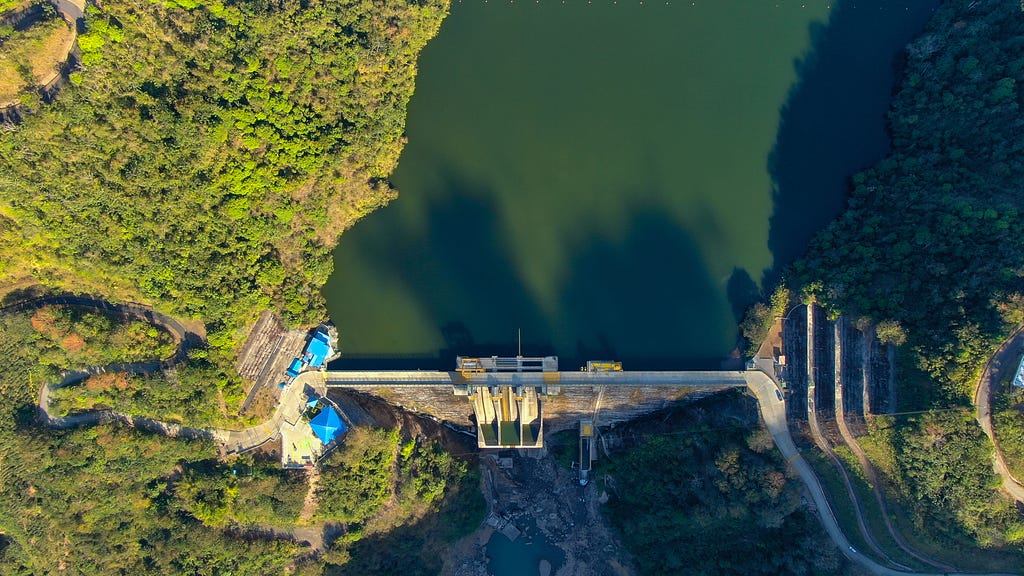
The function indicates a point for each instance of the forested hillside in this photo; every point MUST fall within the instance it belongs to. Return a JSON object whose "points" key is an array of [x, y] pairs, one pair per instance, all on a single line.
{"points": [[108, 499], [931, 238], [705, 492], [930, 245], [204, 158], [208, 154]]}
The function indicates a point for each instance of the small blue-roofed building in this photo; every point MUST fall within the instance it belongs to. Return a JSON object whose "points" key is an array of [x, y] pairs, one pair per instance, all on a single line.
{"points": [[319, 349], [327, 425], [1018, 380], [294, 368]]}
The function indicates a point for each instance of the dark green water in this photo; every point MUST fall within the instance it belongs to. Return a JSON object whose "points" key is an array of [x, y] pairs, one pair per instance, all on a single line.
{"points": [[615, 179], [522, 557]]}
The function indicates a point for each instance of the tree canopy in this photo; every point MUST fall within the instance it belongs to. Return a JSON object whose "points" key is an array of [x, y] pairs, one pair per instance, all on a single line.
{"points": [[208, 154]]}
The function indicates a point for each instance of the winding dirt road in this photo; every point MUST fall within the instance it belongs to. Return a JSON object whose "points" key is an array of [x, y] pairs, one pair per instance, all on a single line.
{"points": [[773, 411], [1004, 359], [233, 441], [869, 470]]}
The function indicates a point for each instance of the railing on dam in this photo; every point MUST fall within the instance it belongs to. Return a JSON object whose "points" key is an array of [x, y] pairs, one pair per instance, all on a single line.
{"points": [[694, 378]]}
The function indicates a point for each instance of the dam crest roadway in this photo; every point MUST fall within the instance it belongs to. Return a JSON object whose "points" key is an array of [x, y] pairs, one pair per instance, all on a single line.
{"points": [[507, 393]]}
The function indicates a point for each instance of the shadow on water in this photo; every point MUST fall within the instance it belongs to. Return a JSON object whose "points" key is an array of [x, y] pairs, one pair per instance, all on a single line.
{"points": [[742, 291], [635, 300], [464, 273], [644, 300], [832, 124]]}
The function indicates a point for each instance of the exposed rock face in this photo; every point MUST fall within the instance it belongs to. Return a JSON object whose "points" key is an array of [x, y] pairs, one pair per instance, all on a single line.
{"points": [[562, 409]]}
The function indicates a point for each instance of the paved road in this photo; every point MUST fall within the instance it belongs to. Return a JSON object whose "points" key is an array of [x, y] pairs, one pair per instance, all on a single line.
{"points": [[865, 464], [773, 411], [696, 378], [233, 440], [1003, 359]]}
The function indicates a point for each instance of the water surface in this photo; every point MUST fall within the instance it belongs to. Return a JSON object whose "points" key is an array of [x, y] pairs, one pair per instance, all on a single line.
{"points": [[522, 557], [614, 178]]}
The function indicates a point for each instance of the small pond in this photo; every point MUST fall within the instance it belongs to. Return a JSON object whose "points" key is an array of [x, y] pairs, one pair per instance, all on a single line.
{"points": [[522, 557]]}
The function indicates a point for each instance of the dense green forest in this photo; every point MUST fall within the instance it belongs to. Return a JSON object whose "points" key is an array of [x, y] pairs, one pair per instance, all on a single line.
{"points": [[930, 246], [208, 154], [72, 338], [109, 500], [704, 494], [96, 500], [402, 502], [196, 393], [930, 239], [204, 158]]}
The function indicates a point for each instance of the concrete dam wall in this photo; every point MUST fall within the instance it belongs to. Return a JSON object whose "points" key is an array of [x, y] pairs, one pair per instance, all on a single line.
{"points": [[562, 408]]}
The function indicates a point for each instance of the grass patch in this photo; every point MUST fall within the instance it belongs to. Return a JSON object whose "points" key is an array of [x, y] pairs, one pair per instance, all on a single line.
{"points": [[9, 5], [872, 511], [1008, 423], [31, 57], [835, 491]]}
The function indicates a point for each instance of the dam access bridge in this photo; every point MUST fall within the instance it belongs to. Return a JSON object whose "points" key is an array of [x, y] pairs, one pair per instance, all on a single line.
{"points": [[507, 393]]}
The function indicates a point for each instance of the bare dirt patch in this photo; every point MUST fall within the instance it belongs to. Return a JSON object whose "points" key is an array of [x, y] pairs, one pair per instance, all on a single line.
{"points": [[36, 54]]}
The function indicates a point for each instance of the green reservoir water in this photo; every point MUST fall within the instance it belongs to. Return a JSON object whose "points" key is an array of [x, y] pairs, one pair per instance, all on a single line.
{"points": [[522, 557], [616, 179]]}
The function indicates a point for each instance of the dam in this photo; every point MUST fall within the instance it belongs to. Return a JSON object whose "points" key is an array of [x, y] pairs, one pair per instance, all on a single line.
{"points": [[507, 397]]}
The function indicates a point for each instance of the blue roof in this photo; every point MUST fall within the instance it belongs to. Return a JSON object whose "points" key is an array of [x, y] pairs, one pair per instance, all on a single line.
{"points": [[293, 369], [318, 350], [1018, 380], [312, 402], [327, 425]]}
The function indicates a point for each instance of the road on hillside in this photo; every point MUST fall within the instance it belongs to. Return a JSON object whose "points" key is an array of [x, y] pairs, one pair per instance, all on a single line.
{"points": [[773, 411], [233, 440], [1002, 360]]}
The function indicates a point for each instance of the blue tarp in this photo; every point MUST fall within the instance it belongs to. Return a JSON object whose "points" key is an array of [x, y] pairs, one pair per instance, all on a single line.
{"points": [[327, 425], [294, 368], [318, 350], [1018, 380]]}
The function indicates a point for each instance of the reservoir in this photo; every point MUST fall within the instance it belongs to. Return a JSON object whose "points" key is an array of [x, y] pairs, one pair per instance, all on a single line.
{"points": [[616, 179]]}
